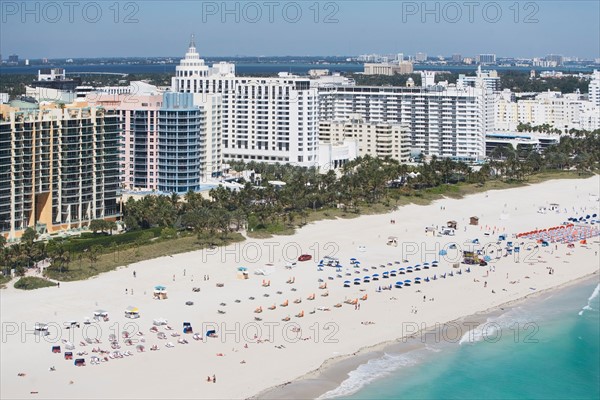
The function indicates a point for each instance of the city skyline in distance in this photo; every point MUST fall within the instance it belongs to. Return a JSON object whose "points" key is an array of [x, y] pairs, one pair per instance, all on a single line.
{"points": [[137, 29]]}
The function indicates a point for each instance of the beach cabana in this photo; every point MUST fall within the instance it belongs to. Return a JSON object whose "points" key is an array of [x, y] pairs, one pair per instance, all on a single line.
{"points": [[100, 314], [132, 312], [407, 282], [41, 329], [399, 284], [402, 271], [68, 355], [56, 349], [417, 280], [187, 327], [375, 277], [474, 220], [346, 283], [79, 362], [160, 292], [357, 281], [367, 279], [393, 272], [451, 224], [386, 274], [211, 333]]}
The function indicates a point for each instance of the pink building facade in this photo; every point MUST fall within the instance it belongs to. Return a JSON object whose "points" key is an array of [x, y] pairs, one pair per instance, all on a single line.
{"points": [[139, 137]]}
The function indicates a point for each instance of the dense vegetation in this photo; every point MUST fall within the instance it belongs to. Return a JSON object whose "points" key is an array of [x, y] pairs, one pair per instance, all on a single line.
{"points": [[518, 81], [363, 185]]}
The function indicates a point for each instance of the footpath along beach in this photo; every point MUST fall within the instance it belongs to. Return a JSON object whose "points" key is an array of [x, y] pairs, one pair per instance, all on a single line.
{"points": [[283, 322]]}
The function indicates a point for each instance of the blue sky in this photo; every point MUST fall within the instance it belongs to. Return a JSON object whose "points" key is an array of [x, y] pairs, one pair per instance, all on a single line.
{"points": [[53, 29]]}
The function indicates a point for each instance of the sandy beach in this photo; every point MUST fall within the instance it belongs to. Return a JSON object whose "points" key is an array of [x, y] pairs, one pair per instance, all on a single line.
{"points": [[307, 314]]}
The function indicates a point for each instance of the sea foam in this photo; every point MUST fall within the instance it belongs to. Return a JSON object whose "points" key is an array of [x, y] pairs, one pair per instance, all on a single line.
{"points": [[514, 319], [370, 371], [594, 296]]}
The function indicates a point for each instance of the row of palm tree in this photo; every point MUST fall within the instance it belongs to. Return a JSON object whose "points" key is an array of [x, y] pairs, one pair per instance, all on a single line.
{"points": [[362, 182]]}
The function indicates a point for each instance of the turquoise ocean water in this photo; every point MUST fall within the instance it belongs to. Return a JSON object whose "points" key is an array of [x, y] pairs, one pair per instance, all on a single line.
{"points": [[545, 348]]}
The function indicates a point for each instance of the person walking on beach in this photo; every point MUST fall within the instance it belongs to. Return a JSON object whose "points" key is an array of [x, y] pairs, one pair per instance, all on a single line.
{"points": [[214, 379], [485, 284], [134, 274]]}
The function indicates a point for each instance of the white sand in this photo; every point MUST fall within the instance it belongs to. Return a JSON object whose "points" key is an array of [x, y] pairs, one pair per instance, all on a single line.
{"points": [[181, 372]]}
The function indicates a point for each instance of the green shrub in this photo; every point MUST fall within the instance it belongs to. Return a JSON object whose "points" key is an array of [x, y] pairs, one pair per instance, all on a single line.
{"points": [[32, 282]]}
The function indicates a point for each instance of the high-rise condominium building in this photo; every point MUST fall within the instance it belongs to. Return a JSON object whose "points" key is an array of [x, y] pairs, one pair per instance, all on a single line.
{"points": [[139, 135], [140, 106], [442, 121], [594, 88], [375, 139], [263, 119], [59, 168], [486, 59], [185, 141]]}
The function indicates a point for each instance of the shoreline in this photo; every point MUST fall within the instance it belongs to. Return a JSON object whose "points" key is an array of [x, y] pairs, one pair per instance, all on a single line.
{"points": [[334, 370]]}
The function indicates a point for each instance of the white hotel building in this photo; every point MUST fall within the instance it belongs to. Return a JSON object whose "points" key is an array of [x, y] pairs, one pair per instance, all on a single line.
{"points": [[446, 121], [263, 119]]}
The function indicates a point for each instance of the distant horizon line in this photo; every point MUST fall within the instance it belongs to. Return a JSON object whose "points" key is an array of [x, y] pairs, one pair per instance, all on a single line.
{"points": [[281, 56]]}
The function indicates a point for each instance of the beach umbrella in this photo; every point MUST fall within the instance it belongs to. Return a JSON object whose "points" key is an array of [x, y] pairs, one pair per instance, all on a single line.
{"points": [[375, 275], [353, 259], [487, 258], [242, 269], [367, 277], [407, 281], [443, 252]]}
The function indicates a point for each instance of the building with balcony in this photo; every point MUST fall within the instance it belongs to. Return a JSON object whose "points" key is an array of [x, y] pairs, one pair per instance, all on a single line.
{"points": [[264, 119], [446, 121], [188, 142], [59, 168], [380, 140]]}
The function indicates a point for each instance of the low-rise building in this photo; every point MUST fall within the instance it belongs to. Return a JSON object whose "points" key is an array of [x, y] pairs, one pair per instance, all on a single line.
{"points": [[375, 139]]}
